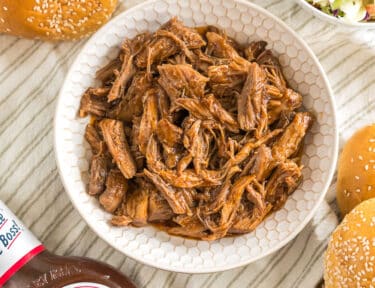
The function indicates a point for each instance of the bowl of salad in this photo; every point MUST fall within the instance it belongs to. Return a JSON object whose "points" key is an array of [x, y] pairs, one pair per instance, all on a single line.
{"points": [[355, 13]]}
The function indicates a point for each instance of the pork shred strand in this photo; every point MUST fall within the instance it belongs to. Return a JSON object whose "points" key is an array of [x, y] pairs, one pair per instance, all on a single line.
{"points": [[193, 132]]}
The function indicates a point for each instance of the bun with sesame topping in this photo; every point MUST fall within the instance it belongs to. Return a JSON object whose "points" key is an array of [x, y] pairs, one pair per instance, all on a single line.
{"points": [[54, 19], [350, 256], [356, 170]]}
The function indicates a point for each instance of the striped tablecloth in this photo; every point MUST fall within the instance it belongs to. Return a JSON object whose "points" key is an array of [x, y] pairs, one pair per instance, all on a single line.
{"points": [[31, 74]]}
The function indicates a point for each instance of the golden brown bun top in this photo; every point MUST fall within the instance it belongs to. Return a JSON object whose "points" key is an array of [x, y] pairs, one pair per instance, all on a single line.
{"points": [[54, 19], [356, 171], [350, 256]]}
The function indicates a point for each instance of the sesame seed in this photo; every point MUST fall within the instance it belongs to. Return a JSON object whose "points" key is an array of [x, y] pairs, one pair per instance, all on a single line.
{"points": [[366, 167], [5, 8], [68, 15], [369, 187], [352, 160], [356, 177], [360, 157], [357, 190], [371, 140]]}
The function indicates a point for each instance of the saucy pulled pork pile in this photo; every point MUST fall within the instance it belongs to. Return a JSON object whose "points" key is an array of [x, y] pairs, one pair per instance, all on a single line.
{"points": [[194, 133]]}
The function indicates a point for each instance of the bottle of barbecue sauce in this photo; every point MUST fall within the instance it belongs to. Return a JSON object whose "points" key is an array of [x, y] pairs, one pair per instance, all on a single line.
{"points": [[25, 263]]}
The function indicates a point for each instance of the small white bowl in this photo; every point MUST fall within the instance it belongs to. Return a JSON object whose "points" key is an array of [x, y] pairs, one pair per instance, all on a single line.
{"points": [[332, 19], [245, 22]]}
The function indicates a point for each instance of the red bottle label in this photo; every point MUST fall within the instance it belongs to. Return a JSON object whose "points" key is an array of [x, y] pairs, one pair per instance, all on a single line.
{"points": [[17, 244]]}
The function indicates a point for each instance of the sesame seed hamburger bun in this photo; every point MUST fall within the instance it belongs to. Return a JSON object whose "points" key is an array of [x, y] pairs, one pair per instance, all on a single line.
{"points": [[54, 19], [356, 170], [350, 257]]}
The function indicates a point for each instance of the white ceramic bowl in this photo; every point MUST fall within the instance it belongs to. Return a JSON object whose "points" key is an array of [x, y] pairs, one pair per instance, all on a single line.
{"points": [[245, 22], [334, 20]]}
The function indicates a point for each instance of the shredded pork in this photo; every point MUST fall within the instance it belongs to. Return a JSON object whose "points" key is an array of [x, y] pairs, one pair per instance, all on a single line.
{"points": [[194, 133]]}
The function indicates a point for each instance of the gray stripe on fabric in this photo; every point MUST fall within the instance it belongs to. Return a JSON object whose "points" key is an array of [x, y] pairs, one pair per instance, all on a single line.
{"points": [[270, 5], [68, 208], [67, 232], [333, 68], [35, 116], [327, 28], [132, 270], [96, 238], [27, 152], [23, 80], [35, 92], [318, 252], [358, 114], [362, 68], [76, 242], [120, 267], [298, 259], [326, 52], [104, 251], [361, 90], [4, 74], [273, 263], [300, 27], [135, 270], [169, 279], [285, 15], [186, 281], [48, 75], [151, 278], [47, 182], [49, 207], [208, 280], [182, 280], [111, 251], [27, 176], [9, 46]]}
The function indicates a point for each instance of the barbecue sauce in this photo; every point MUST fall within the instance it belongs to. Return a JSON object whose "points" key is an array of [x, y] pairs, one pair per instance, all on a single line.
{"points": [[25, 263]]}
